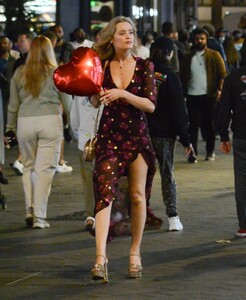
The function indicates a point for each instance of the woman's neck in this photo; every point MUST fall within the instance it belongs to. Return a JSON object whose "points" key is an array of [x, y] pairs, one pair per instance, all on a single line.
{"points": [[123, 57]]}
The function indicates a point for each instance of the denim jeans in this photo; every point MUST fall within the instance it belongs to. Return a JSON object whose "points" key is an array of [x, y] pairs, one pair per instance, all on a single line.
{"points": [[239, 152], [164, 148]]}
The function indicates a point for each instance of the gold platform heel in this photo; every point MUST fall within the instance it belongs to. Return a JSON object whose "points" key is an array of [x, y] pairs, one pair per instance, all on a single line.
{"points": [[100, 272], [134, 270]]}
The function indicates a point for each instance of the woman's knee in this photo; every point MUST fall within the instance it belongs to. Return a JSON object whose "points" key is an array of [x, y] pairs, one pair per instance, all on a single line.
{"points": [[136, 197]]}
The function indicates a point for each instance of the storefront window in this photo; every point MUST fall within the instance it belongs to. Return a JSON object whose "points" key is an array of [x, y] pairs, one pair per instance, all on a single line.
{"points": [[43, 10]]}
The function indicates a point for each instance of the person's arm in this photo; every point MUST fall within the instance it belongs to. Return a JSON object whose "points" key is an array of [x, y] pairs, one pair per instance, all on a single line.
{"points": [[178, 109], [74, 116], [66, 101], [145, 103], [224, 116], [13, 107], [221, 67]]}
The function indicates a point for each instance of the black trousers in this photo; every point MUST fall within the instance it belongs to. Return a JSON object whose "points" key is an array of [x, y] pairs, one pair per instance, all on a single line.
{"points": [[201, 112], [239, 154]]}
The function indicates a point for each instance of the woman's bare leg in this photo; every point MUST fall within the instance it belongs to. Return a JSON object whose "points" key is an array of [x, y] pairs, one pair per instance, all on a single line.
{"points": [[102, 228], [137, 182]]}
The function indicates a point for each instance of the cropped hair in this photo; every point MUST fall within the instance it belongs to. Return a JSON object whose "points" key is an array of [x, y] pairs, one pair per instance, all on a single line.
{"points": [[200, 30], [210, 29], [104, 48], [29, 35], [167, 28]]}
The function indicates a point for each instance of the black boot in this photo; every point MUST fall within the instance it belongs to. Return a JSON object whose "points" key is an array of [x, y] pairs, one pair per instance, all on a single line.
{"points": [[3, 180]]}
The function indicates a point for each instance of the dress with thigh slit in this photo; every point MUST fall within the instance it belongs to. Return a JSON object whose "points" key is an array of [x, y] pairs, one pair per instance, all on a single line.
{"points": [[122, 135]]}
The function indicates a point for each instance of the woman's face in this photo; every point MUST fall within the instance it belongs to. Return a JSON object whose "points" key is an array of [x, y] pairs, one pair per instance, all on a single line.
{"points": [[123, 38]]}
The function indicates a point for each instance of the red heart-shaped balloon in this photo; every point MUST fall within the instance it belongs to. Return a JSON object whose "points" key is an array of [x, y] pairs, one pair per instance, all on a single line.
{"points": [[82, 76]]}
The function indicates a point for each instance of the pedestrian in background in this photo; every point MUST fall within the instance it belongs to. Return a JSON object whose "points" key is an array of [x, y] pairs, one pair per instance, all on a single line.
{"points": [[3, 180], [63, 48], [168, 121], [83, 116], [35, 107], [24, 41], [202, 74], [231, 115]]}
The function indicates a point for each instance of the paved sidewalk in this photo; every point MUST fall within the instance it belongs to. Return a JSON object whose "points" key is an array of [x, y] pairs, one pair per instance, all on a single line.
{"points": [[204, 261]]}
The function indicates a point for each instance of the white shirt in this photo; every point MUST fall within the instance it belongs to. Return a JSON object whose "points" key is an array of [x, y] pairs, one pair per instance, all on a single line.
{"points": [[86, 43], [143, 52], [82, 119], [198, 82]]}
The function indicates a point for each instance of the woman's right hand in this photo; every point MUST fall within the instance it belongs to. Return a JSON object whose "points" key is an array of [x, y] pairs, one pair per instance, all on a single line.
{"points": [[107, 96]]}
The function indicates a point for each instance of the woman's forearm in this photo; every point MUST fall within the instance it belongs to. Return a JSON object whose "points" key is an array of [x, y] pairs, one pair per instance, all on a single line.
{"points": [[141, 103]]}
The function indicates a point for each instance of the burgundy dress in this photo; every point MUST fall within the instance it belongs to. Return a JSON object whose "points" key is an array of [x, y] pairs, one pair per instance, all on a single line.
{"points": [[122, 135]]}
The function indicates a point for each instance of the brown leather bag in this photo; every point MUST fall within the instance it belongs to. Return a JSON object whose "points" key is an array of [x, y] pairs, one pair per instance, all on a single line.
{"points": [[89, 149], [90, 145]]}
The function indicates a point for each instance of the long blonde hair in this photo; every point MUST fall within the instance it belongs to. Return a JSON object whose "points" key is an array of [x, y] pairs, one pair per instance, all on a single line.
{"points": [[104, 48], [40, 61]]}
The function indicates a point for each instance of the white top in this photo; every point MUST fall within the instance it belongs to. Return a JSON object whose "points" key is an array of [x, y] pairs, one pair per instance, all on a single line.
{"points": [[86, 43], [14, 53], [143, 52], [198, 82], [82, 120]]}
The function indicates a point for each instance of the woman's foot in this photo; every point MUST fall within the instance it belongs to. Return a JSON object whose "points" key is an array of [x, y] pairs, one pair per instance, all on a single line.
{"points": [[135, 267], [100, 269]]}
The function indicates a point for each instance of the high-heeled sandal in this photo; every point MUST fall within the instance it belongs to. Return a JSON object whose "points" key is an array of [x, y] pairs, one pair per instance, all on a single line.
{"points": [[134, 270], [100, 272]]}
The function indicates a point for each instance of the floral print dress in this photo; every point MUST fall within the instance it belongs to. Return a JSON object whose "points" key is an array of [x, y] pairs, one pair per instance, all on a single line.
{"points": [[122, 135]]}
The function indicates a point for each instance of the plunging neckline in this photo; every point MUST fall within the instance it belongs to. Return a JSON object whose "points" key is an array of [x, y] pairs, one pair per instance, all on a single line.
{"points": [[132, 78]]}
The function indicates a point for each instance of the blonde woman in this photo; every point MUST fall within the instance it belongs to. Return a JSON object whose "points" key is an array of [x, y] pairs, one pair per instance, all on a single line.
{"points": [[123, 146], [35, 106]]}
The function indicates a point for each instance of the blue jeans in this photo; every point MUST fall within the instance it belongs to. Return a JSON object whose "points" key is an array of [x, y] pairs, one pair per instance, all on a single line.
{"points": [[239, 153], [164, 148]]}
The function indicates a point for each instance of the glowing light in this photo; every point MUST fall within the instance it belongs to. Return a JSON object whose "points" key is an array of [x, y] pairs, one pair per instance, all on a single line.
{"points": [[137, 11]]}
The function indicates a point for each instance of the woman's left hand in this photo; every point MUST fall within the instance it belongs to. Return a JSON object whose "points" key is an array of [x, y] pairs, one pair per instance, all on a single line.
{"points": [[107, 96]]}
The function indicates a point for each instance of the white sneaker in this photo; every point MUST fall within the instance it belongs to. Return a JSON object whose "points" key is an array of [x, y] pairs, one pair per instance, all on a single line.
{"points": [[175, 224], [89, 224], [40, 223], [210, 157], [63, 168], [18, 167]]}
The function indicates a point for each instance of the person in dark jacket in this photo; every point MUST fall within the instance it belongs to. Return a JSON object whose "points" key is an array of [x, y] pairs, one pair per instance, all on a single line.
{"points": [[168, 121], [214, 44], [202, 74], [231, 115]]}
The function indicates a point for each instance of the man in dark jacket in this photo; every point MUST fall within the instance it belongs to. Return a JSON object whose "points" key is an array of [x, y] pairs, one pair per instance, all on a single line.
{"points": [[232, 113], [168, 121], [202, 74]]}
